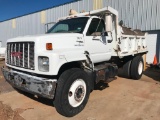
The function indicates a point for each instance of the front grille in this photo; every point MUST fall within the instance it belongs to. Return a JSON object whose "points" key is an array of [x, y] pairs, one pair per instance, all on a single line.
{"points": [[21, 54]]}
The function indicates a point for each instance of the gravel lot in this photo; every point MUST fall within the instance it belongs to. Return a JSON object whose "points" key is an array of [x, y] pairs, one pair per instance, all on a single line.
{"points": [[124, 99]]}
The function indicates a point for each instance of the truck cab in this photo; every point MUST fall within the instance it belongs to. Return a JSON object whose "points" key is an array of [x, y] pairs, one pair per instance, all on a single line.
{"points": [[94, 38]]}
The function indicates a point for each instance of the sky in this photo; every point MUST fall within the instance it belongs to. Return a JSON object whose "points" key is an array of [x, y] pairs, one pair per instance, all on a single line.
{"points": [[14, 8]]}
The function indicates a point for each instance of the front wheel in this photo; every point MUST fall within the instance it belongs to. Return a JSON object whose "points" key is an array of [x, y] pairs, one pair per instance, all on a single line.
{"points": [[72, 92]]}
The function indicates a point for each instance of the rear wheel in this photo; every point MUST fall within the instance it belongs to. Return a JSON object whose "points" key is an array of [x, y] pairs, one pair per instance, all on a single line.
{"points": [[137, 67], [72, 92], [124, 71]]}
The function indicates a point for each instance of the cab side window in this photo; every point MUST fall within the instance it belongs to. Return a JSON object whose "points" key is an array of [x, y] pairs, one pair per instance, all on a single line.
{"points": [[96, 27]]}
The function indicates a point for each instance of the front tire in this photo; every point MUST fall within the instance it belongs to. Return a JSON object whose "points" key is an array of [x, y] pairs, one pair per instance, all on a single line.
{"points": [[72, 92], [137, 68]]}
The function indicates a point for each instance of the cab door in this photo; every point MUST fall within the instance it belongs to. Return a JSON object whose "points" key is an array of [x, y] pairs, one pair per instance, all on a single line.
{"points": [[97, 42]]}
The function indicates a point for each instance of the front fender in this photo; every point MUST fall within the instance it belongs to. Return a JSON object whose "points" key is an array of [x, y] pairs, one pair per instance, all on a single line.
{"points": [[75, 55], [66, 56]]}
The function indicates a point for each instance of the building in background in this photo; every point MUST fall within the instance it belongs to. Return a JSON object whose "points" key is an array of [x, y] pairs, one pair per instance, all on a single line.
{"points": [[136, 14]]}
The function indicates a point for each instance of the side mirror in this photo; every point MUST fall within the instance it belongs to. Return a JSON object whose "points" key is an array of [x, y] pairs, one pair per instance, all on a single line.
{"points": [[104, 33], [121, 23]]}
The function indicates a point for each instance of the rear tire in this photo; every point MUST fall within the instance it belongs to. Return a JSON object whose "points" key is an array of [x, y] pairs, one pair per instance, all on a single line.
{"points": [[124, 71], [137, 68], [72, 92]]}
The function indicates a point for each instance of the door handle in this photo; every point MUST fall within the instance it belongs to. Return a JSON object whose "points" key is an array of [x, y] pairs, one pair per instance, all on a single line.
{"points": [[96, 38]]}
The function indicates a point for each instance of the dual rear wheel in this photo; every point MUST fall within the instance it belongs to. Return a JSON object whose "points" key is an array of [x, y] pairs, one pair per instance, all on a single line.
{"points": [[137, 68], [132, 68]]}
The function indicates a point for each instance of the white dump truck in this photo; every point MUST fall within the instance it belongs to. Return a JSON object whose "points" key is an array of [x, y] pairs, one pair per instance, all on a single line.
{"points": [[78, 52]]}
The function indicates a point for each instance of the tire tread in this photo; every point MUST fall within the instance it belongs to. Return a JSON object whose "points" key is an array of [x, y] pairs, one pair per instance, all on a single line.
{"points": [[59, 92]]}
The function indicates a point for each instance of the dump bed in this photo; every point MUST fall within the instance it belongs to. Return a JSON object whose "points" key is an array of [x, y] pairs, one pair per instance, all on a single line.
{"points": [[129, 42]]}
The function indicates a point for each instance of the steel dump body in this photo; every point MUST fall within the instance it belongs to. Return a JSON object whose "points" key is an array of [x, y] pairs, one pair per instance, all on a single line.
{"points": [[130, 45]]}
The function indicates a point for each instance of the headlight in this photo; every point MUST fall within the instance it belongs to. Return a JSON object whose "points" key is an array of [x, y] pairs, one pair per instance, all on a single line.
{"points": [[43, 64]]}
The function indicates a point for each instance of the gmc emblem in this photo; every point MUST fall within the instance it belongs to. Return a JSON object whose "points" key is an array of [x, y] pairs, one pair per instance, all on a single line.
{"points": [[16, 54]]}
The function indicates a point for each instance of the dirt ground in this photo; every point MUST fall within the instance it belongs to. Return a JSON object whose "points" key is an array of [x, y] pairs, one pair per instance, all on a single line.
{"points": [[124, 99]]}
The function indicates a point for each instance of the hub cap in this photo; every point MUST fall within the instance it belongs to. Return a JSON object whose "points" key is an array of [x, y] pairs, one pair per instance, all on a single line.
{"points": [[77, 92], [140, 68]]}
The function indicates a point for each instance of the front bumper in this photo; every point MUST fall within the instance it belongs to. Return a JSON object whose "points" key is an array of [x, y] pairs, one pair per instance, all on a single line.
{"points": [[35, 85]]}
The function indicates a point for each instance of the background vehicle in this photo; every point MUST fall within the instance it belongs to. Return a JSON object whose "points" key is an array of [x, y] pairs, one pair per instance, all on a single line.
{"points": [[2, 51], [76, 53]]}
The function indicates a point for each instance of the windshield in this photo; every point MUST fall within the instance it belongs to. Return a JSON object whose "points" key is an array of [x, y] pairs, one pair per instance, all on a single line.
{"points": [[74, 25]]}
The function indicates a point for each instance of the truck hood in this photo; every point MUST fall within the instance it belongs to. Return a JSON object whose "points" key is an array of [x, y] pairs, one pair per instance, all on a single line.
{"points": [[39, 36], [58, 40]]}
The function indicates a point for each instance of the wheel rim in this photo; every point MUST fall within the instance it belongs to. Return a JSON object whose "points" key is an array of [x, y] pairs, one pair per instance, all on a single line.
{"points": [[140, 68], [77, 92]]}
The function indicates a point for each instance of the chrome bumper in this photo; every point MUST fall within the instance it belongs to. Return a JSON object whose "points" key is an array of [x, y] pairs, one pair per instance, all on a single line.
{"points": [[36, 85]]}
